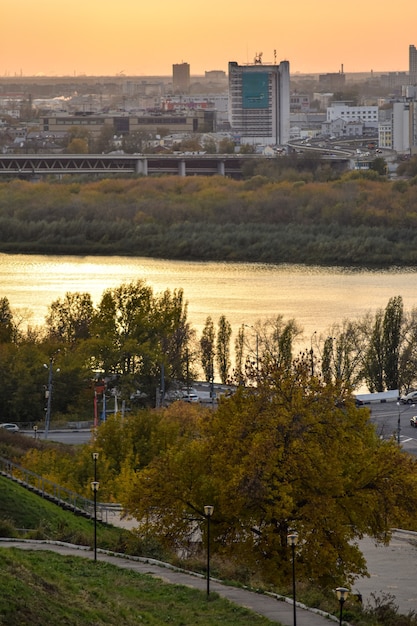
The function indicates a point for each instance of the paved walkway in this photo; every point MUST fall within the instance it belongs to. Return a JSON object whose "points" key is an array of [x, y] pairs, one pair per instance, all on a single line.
{"points": [[276, 609], [392, 569]]}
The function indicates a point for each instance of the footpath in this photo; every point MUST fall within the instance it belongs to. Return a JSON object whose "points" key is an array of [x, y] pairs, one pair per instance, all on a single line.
{"points": [[275, 608]]}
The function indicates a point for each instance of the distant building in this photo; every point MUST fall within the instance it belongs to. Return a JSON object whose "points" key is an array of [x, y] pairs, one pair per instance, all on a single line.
{"points": [[215, 75], [299, 102], [412, 66], [194, 121], [366, 114], [181, 77], [259, 102], [332, 82]]}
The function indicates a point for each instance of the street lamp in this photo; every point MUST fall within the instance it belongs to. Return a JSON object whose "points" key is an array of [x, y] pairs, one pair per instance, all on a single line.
{"points": [[48, 392], [399, 419], [94, 486], [342, 594], [95, 457], [208, 512], [292, 541]]}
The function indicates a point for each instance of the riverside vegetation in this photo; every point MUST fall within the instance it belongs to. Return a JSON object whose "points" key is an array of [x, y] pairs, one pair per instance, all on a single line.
{"points": [[286, 210]]}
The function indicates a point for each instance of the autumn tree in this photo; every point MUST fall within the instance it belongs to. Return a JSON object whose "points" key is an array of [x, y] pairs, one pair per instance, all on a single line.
{"points": [[277, 458]]}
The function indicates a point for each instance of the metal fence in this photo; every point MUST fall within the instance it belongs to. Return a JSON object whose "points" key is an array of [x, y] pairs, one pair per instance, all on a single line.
{"points": [[53, 492]]}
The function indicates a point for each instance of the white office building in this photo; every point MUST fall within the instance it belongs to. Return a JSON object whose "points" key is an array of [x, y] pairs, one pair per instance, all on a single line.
{"points": [[366, 114], [259, 102]]}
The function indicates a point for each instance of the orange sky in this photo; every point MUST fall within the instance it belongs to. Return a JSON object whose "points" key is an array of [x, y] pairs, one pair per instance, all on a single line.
{"points": [[103, 37]]}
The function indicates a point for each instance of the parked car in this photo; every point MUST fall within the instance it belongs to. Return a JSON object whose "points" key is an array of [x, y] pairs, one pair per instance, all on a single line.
{"points": [[413, 421], [409, 398], [12, 427]]}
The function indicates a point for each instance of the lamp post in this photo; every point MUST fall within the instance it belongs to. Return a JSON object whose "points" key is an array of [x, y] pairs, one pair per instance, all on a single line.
{"points": [[399, 419], [208, 512], [48, 392], [94, 486], [342, 594], [292, 541]]}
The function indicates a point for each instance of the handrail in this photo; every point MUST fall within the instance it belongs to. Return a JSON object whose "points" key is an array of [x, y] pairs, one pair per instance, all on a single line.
{"points": [[52, 491]]}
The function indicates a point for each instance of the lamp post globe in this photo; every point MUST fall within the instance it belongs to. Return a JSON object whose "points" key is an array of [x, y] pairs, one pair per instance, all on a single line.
{"points": [[342, 594]]}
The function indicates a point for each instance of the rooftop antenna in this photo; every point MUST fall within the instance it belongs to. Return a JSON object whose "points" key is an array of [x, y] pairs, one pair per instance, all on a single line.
{"points": [[275, 57]]}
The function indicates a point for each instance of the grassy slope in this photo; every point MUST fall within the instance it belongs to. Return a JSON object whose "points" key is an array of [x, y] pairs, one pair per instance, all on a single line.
{"points": [[42, 588]]}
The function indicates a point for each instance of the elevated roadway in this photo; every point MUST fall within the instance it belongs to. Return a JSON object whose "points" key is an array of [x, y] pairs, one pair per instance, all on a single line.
{"points": [[30, 165]]}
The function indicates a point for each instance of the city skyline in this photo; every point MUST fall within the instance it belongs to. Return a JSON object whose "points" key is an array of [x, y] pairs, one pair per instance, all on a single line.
{"points": [[128, 38]]}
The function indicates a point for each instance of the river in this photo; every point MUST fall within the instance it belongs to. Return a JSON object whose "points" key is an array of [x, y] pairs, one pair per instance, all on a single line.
{"points": [[244, 292]]}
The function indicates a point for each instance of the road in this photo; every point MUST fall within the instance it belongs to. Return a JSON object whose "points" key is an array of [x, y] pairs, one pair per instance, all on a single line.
{"points": [[383, 415], [393, 419]]}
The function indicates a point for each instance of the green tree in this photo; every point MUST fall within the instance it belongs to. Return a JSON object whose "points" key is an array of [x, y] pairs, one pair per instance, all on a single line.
{"points": [[7, 326], [207, 349], [374, 360], [224, 334], [69, 319], [392, 327]]}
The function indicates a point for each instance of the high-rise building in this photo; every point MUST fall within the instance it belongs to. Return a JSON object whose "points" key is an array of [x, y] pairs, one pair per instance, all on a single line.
{"points": [[181, 77], [412, 67], [259, 102]]}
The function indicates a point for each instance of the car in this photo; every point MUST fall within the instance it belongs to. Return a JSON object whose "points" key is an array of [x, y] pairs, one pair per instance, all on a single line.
{"points": [[11, 427], [413, 421], [409, 398], [190, 396]]}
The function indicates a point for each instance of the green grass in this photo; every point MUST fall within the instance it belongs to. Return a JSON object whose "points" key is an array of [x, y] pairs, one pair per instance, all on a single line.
{"points": [[42, 588], [29, 515]]}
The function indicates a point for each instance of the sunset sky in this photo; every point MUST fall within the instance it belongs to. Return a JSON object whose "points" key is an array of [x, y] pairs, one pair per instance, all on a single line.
{"points": [[108, 37]]}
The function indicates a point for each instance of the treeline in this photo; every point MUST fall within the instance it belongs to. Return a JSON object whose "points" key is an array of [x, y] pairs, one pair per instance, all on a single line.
{"points": [[136, 347], [355, 220]]}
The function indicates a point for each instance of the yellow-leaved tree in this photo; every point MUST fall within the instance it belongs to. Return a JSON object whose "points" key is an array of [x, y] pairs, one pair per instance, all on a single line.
{"points": [[283, 456]]}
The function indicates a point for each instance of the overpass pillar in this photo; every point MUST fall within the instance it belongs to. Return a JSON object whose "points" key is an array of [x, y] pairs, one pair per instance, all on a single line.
{"points": [[220, 168], [142, 166], [181, 168]]}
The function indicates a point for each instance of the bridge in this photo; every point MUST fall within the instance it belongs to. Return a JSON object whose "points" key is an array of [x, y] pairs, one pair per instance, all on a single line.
{"points": [[29, 165]]}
